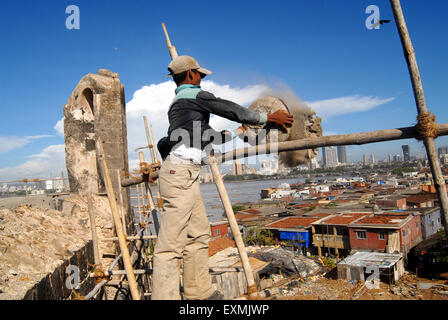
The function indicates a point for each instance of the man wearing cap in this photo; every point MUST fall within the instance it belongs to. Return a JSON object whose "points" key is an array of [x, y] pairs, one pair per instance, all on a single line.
{"points": [[185, 230]]}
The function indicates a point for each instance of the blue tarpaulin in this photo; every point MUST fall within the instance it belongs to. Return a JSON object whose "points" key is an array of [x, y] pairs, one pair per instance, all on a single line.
{"points": [[303, 237]]}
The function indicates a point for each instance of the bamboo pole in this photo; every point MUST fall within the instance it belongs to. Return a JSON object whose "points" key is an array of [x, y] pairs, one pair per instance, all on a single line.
{"points": [[159, 198], [119, 228], [310, 143], [335, 140], [154, 144], [419, 96], [172, 49], [121, 206], [251, 288], [325, 141], [148, 138], [151, 201], [96, 252]]}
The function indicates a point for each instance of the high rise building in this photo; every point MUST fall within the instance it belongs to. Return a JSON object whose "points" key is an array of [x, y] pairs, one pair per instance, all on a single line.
{"points": [[365, 160], [237, 167], [406, 152], [313, 164], [373, 159], [342, 154], [441, 151], [391, 158], [329, 157]]}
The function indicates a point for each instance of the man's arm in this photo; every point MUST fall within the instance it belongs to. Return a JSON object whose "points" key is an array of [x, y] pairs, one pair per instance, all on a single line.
{"points": [[229, 110]]}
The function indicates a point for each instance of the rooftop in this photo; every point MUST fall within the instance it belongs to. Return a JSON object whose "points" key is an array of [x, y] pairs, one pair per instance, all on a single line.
{"points": [[364, 259], [292, 223], [391, 219], [345, 218]]}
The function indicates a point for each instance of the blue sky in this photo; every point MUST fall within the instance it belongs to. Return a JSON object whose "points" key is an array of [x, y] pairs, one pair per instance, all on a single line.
{"points": [[320, 49]]}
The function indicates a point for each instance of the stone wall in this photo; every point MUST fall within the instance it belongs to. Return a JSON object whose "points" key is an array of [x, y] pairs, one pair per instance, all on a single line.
{"points": [[96, 108]]}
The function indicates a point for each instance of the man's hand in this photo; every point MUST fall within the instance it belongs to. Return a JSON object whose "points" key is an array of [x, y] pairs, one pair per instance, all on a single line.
{"points": [[240, 131], [281, 118]]}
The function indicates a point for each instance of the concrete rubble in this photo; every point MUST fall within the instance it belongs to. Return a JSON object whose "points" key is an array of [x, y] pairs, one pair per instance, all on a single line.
{"points": [[34, 242]]}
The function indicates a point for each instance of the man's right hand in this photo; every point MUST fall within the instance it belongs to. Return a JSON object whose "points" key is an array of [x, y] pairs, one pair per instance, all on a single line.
{"points": [[281, 118]]}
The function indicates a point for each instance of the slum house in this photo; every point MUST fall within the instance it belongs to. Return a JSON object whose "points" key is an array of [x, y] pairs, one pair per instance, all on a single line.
{"points": [[421, 200], [386, 232], [331, 234], [392, 201], [295, 230], [430, 220], [252, 219], [219, 237], [366, 265], [429, 188]]}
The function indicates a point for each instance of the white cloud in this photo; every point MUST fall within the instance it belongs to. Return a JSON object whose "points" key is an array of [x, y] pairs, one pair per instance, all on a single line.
{"points": [[349, 104], [11, 143], [59, 128], [49, 162]]}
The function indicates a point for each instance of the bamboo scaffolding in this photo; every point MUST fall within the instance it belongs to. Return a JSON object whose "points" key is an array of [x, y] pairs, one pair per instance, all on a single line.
{"points": [[117, 222], [96, 252], [120, 203], [419, 96], [150, 199]]}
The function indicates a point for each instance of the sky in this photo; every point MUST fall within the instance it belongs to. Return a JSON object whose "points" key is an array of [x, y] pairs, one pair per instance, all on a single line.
{"points": [[355, 78]]}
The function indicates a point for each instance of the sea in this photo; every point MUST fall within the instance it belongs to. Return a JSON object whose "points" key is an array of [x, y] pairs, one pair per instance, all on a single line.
{"points": [[238, 191]]}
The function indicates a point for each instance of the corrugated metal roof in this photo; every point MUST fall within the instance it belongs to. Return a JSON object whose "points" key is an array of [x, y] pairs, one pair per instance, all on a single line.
{"points": [[364, 259]]}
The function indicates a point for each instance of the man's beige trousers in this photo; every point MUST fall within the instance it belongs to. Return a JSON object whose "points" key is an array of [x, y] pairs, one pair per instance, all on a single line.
{"points": [[183, 236]]}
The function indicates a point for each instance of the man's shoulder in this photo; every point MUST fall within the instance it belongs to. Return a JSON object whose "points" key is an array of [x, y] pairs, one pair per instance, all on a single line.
{"points": [[206, 95], [188, 93]]}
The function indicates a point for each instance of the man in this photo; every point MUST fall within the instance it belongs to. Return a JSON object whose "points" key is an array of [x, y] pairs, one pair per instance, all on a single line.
{"points": [[185, 230]]}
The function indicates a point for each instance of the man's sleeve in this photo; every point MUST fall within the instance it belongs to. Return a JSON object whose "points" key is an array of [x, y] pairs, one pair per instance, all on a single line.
{"points": [[229, 110]]}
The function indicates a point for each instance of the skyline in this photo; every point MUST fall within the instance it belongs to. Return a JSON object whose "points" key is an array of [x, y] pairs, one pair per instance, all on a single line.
{"points": [[356, 79]]}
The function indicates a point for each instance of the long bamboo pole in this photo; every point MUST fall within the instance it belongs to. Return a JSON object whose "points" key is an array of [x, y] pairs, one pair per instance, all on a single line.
{"points": [[121, 205], [419, 96], [152, 206], [118, 226], [251, 288], [325, 141], [172, 49], [309, 143], [96, 252], [148, 138]]}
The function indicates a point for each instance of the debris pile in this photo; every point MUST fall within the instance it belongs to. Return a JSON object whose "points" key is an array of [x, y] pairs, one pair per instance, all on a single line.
{"points": [[282, 261], [36, 241]]}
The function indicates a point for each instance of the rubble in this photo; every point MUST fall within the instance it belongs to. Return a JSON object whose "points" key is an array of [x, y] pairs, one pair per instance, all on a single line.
{"points": [[286, 262], [34, 242]]}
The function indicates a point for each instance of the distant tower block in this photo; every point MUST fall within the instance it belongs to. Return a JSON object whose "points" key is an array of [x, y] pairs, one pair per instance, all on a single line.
{"points": [[96, 108]]}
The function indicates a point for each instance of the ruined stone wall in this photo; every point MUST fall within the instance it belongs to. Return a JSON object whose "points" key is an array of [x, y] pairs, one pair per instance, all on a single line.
{"points": [[96, 108]]}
